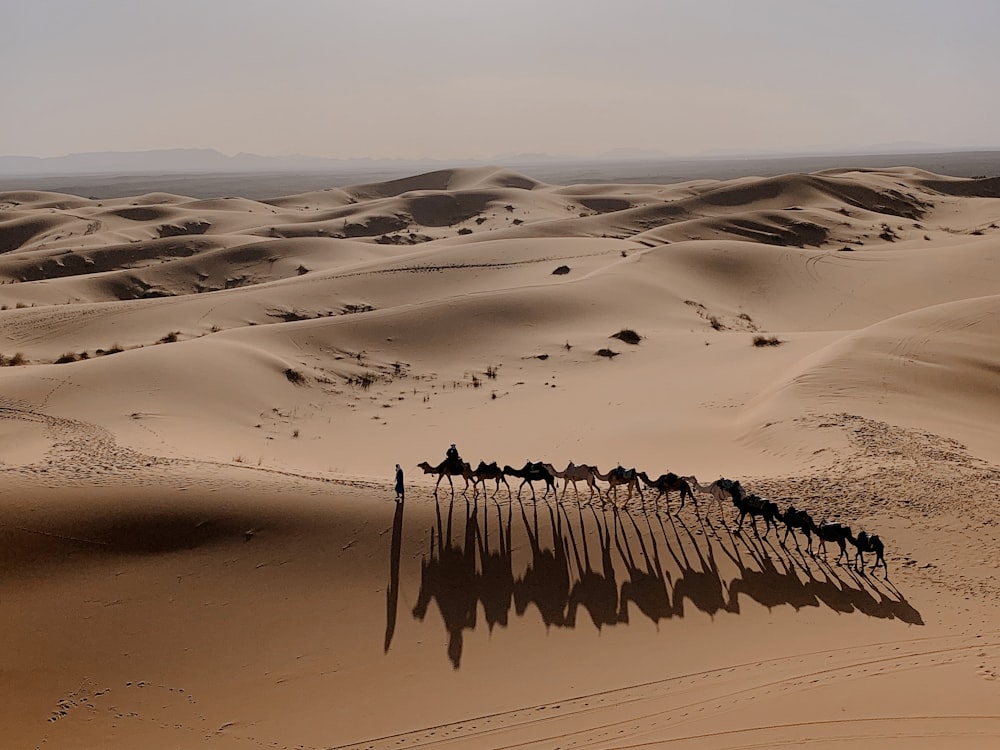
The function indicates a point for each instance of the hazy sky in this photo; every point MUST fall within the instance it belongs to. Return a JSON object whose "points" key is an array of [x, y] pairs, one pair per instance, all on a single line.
{"points": [[475, 79]]}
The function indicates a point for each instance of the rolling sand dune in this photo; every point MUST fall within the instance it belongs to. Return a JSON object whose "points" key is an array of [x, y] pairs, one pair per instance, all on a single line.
{"points": [[202, 401]]}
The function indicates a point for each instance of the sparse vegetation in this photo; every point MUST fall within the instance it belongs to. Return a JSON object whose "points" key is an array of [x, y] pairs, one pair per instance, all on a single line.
{"points": [[716, 323], [65, 358], [887, 234], [359, 308], [15, 361], [627, 335], [491, 372], [170, 338], [465, 230], [606, 353], [294, 376], [365, 380], [766, 341], [561, 271]]}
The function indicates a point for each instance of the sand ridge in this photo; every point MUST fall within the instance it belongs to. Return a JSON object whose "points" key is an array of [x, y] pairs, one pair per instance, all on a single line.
{"points": [[203, 400]]}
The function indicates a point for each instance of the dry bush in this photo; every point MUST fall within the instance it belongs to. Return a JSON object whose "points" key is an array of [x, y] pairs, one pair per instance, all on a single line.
{"points": [[627, 335], [766, 341]]}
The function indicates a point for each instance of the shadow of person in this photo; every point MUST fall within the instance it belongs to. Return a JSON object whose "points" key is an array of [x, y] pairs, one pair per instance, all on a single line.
{"points": [[449, 577], [645, 587], [596, 592], [496, 589], [392, 590], [545, 582]]}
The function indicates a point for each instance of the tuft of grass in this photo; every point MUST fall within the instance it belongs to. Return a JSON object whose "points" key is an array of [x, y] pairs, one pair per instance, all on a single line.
{"points": [[16, 361], [170, 338], [365, 380], [606, 353], [491, 372], [65, 358], [294, 376], [716, 323], [627, 335], [766, 341]]}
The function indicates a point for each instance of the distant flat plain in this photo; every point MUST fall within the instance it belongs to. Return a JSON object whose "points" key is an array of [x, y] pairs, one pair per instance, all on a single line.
{"points": [[257, 185]]}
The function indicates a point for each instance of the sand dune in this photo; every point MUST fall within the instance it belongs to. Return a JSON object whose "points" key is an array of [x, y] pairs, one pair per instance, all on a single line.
{"points": [[203, 400]]}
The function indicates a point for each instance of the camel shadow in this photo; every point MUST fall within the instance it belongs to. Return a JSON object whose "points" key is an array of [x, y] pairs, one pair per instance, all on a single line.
{"points": [[448, 577], [616, 565]]}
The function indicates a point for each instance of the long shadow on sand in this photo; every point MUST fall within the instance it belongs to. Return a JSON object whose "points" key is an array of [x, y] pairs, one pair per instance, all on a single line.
{"points": [[614, 565]]}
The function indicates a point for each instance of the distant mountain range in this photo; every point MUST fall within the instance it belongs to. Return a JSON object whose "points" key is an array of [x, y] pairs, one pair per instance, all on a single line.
{"points": [[206, 160]]}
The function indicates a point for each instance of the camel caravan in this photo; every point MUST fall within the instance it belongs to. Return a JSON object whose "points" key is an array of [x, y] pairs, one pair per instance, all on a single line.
{"points": [[722, 490]]}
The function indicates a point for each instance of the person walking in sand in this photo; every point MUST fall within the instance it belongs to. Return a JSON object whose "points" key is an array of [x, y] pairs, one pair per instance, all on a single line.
{"points": [[399, 482]]}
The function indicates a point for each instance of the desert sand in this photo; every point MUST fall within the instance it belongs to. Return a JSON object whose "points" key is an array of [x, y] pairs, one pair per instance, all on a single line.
{"points": [[203, 401]]}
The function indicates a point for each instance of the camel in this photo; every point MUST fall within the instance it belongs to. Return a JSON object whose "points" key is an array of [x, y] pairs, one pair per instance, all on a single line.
{"points": [[618, 476], [574, 473], [833, 532], [754, 505], [531, 473], [866, 542], [489, 471], [666, 482], [720, 489], [797, 519], [445, 469]]}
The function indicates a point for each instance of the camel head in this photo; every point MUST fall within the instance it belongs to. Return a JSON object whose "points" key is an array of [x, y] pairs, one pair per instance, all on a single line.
{"points": [[428, 469]]}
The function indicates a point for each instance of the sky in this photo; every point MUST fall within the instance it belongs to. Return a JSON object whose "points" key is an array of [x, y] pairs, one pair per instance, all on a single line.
{"points": [[470, 79]]}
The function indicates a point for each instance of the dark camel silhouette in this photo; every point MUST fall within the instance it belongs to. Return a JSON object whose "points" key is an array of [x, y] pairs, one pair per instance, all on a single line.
{"points": [[489, 471], [664, 483], [866, 542], [754, 506], [531, 473], [448, 469], [797, 519], [620, 476], [832, 532]]}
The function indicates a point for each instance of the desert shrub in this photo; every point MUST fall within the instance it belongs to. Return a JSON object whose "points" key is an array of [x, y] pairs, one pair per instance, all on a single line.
{"points": [[365, 380], [170, 338], [627, 335], [15, 361], [766, 341], [716, 323], [360, 308], [491, 372], [294, 376], [67, 357], [561, 271], [465, 230], [606, 353]]}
